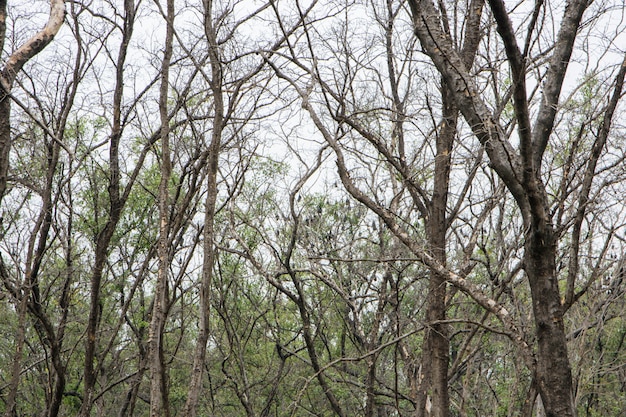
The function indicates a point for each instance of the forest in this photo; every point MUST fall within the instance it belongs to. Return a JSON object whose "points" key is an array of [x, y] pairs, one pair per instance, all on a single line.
{"points": [[286, 208]]}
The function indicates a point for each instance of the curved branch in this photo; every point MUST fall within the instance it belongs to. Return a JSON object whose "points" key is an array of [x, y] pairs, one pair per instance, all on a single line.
{"points": [[34, 45]]}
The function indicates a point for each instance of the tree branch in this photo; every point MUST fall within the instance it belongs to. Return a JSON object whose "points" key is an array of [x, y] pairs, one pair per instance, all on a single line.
{"points": [[555, 76], [441, 51], [34, 45]]}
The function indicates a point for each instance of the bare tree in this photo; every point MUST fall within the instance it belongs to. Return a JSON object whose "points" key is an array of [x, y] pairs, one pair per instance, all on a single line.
{"points": [[116, 204], [27, 294], [212, 156], [520, 167]]}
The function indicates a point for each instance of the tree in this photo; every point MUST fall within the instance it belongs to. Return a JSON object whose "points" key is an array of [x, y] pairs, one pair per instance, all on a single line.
{"points": [[26, 293], [521, 168]]}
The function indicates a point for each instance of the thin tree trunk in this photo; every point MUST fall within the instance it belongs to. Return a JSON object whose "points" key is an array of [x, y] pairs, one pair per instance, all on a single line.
{"points": [[35, 258], [197, 371], [370, 386], [116, 204], [159, 398], [433, 397], [16, 366], [5, 141]]}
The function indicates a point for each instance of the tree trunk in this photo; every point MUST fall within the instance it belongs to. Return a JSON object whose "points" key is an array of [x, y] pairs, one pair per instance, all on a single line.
{"points": [[519, 169], [433, 399], [435, 361], [209, 254], [5, 141], [116, 205], [159, 398], [16, 366], [553, 373]]}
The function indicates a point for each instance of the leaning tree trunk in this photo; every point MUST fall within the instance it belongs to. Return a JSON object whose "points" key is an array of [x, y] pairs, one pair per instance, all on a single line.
{"points": [[10, 70]]}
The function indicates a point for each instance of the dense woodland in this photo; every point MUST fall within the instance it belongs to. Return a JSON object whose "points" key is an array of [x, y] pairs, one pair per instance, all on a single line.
{"points": [[265, 208]]}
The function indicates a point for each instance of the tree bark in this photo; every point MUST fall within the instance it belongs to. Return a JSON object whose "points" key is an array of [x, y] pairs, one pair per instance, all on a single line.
{"points": [[433, 399], [206, 283], [16, 366], [159, 398], [116, 205], [553, 373], [433, 387]]}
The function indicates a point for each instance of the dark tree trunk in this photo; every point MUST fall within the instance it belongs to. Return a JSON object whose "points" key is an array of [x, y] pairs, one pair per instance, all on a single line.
{"points": [[437, 344], [5, 141], [553, 373], [433, 399], [116, 205], [519, 168]]}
